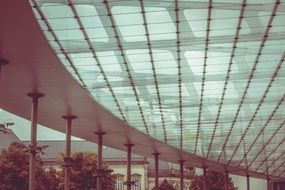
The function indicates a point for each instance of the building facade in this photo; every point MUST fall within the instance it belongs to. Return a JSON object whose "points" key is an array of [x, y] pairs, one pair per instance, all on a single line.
{"points": [[143, 173], [142, 168]]}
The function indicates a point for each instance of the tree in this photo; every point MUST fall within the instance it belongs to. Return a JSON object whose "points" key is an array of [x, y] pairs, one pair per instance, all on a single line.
{"points": [[14, 169], [216, 181], [83, 172], [165, 185], [52, 178]]}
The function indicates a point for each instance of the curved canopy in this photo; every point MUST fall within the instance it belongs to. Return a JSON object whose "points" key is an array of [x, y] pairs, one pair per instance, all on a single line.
{"points": [[201, 81]]}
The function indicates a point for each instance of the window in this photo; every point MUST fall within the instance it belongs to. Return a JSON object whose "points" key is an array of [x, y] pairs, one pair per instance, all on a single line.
{"points": [[119, 182], [136, 179]]}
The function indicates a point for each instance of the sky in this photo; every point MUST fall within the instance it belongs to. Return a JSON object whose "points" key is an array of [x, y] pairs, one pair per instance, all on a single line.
{"points": [[21, 128]]}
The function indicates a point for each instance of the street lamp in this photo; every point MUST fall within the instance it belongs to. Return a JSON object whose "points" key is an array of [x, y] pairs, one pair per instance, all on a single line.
{"points": [[37, 150], [4, 127]]}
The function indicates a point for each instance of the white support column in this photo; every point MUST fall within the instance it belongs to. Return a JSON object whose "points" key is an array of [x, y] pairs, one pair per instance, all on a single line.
{"points": [[129, 162], [205, 183], [248, 182], [67, 159], [268, 183], [34, 121], [99, 159], [181, 163], [156, 154]]}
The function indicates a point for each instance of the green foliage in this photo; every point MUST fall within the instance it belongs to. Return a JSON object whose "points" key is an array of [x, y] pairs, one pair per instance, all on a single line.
{"points": [[14, 169], [165, 185], [83, 172], [52, 178], [216, 181], [14, 173]]}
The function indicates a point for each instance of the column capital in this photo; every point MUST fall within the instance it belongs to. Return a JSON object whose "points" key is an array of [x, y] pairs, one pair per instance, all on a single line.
{"points": [[204, 167], [156, 153], [181, 161], [69, 117], [35, 94], [129, 144], [4, 61], [101, 133]]}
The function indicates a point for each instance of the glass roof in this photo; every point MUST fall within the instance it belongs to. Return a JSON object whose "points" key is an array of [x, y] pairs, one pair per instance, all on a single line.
{"points": [[203, 76]]}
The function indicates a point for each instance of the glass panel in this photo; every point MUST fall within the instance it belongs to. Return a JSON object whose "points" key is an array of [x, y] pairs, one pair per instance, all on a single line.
{"points": [[92, 23], [109, 62], [197, 19], [160, 24], [217, 63], [130, 22], [56, 10], [241, 119]]}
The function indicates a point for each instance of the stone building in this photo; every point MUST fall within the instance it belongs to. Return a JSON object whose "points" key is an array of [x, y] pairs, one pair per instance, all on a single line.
{"points": [[142, 167]]}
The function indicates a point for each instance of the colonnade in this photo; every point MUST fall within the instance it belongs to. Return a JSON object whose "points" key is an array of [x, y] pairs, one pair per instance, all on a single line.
{"points": [[68, 162]]}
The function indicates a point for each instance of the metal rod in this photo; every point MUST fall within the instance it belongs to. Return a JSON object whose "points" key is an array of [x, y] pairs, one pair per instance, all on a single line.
{"points": [[249, 82], [99, 158], [129, 182], [205, 184], [207, 40], [156, 154], [67, 161], [227, 179], [122, 50], [34, 120], [90, 47], [181, 163], [153, 67], [248, 182]]}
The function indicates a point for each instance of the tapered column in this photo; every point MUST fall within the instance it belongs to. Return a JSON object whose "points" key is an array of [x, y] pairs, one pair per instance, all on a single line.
{"points": [[181, 163], [205, 183], [268, 183], [67, 159], [156, 154], [34, 121], [129, 179], [227, 180], [248, 182], [99, 159]]}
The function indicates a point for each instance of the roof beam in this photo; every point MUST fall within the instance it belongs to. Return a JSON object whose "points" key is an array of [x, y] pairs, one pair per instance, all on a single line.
{"points": [[206, 44], [144, 79], [270, 154], [155, 79], [77, 46], [264, 39], [124, 60], [228, 75], [264, 145], [169, 3]]}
